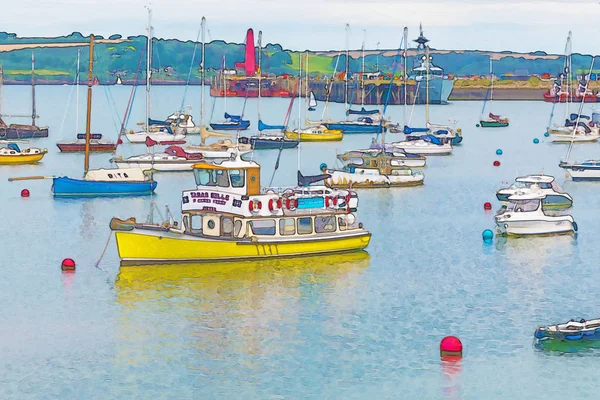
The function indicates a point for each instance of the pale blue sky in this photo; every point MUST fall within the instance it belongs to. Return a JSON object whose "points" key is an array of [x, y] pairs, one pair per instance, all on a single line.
{"points": [[526, 25]]}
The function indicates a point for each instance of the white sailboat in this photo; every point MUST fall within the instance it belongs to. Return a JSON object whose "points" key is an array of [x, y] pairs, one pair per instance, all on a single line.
{"points": [[158, 133]]}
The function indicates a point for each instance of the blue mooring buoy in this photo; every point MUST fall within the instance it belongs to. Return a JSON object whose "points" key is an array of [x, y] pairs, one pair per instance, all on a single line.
{"points": [[499, 152], [536, 141], [487, 235]]}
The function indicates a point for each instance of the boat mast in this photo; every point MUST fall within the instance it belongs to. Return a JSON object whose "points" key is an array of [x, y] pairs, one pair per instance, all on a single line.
{"points": [[77, 94], [259, 72], [306, 96], [405, 72], [347, 67], [148, 67], [299, 96], [203, 74], [362, 77], [224, 84], [1, 92], [88, 120], [32, 89], [427, 85], [492, 78]]}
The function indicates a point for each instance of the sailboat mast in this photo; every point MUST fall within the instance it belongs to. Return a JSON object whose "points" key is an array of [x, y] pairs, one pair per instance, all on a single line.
{"points": [[203, 73], [224, 84], [405, 72], [427, 85], [299, 95], [362, 77], [306, 96], [259, 72], [492, 78], [32, 89], [148, 66], [347, 67], [77, 94], [1, 92], [88, 120]]}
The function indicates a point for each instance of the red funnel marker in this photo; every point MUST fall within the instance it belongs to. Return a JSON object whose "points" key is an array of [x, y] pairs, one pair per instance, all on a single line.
{"points": [[249, 63]]}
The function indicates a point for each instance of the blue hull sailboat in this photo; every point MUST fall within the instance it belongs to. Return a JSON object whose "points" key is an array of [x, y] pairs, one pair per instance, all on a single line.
{"points": [[101, 182], [362, 125], [232, 123], [68, 187]]}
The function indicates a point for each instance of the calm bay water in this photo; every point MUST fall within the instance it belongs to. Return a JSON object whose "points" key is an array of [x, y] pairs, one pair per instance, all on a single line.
{"points": [[352, 327]]}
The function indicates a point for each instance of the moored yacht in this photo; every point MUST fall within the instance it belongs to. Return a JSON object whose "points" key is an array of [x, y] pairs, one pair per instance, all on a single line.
{"points": [[524, 215], [555, 195]]}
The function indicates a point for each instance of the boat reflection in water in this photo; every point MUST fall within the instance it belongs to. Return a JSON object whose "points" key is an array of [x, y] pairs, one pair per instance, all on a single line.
{"points": [[223, 310]]}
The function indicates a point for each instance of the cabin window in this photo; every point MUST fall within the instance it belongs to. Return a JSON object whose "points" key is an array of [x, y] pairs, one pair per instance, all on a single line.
{"points": [[325, 224], [368, 163], [227, 227], [545, 186], [211, 224], [305, 225], [287, 226], [342, 224], [237, 228], [125, 175], [523, 206], [110, 176], [237, 177], [196, 223], [374, 163], [263, 226], [214, 177]]}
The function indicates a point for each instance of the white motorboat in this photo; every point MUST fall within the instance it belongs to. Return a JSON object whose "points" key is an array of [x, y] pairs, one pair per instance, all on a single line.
{"points": [[524, 215], [422, 147], [588, 170], [555, 195]]}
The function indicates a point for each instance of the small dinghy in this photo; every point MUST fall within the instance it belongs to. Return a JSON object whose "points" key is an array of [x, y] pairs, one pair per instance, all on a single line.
{"points": [[569, 337]]}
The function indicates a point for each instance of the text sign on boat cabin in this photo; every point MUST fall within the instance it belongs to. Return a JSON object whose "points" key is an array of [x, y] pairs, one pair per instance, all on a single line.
{"points": [[196, 200]]}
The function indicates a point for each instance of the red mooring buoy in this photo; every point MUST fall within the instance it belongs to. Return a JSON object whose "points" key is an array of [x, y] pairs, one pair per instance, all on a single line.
{"points": [[487, 206], [451, 346], [25, 193], [496, 163], [68, 264]]}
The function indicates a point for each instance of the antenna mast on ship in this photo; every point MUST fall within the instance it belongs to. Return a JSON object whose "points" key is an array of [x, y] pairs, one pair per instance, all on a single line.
{"points": [[202, 74]]}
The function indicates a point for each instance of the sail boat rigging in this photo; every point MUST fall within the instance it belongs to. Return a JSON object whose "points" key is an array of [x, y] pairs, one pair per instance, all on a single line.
{"points": [[158, 131], [264, 141], [232, 122], [79, 145], [491, 120], [18, 131], [310, 133], [362, 110], [99, 182]]}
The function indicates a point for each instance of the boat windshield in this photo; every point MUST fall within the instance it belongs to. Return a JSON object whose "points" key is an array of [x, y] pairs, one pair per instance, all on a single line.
{"points": [[523, 205], [519, 185], [211, 177], [557, 188]]}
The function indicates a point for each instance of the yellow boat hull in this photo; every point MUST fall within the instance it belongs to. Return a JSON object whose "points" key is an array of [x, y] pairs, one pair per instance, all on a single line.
{"points": [[16, 159], [326, 136], [139, 246]]}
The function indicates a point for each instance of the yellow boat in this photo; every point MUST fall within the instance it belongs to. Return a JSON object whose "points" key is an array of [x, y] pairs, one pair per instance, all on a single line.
{"points": [[228, 218], [12, 155], [315, 134]]}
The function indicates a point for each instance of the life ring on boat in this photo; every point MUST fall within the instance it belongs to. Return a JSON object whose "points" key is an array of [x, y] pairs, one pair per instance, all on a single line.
{"points": [[275, 205], [330, 201], [254, 206], [291, 204]]}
